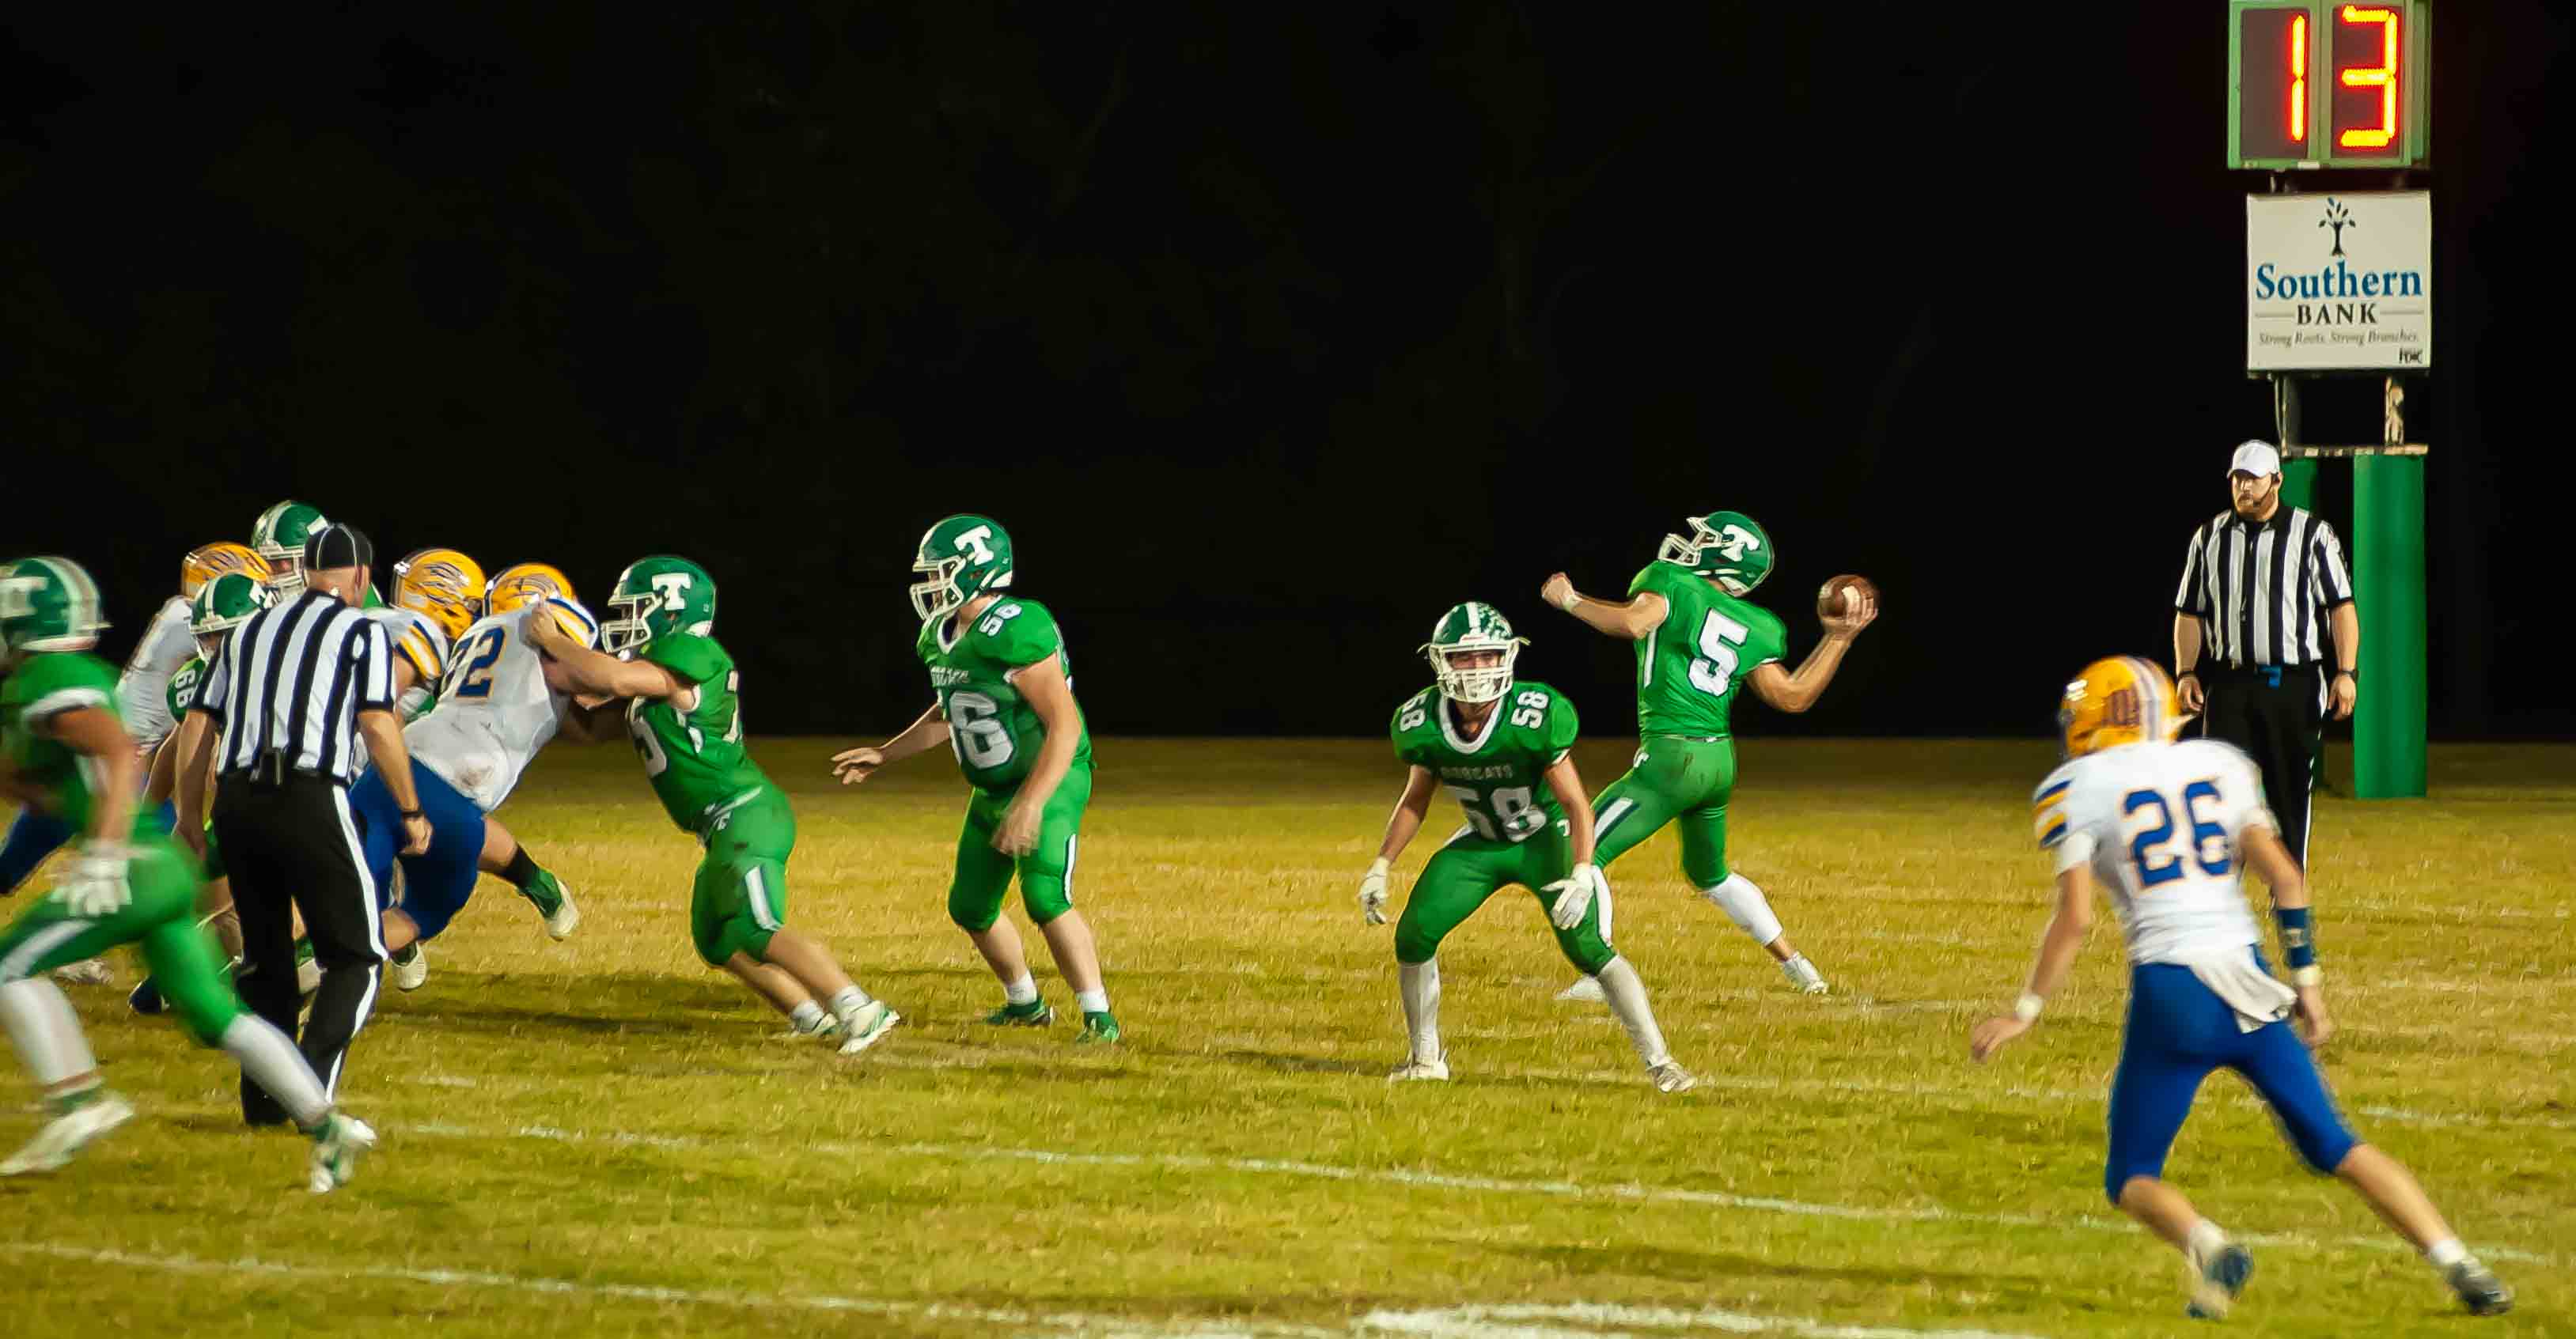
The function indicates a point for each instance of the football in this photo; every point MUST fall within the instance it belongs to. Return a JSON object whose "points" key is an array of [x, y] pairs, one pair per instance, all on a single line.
{"points": [[1831, 597]]}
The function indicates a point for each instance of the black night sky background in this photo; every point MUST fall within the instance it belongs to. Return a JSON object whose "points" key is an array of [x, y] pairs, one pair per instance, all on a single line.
{"points": [[1269, 331]]}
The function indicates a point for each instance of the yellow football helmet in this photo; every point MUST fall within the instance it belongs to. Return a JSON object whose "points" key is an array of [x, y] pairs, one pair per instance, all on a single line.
{"points": [[2118, 700], [524, 584], [442, 583], [207, 561]]}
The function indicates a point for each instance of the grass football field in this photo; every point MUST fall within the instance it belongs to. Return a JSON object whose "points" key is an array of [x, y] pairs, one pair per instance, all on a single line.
{"points": [[603, 1138]]}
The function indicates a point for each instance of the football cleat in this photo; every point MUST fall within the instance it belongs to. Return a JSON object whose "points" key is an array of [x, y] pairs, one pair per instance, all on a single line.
{"points": [[2479, 1289], [279, 536], [86, 972], [337, 1142], [207, 561], [1098, 1029], [1671, 1078], [867, 1026], [1035, 1013], [2217, 1280], [1413, 1070], [1473, 629], [1803, 976], [1726, 547], [411, 967], [959, 558], [1585, 989], [48, 604], [554, 902], [67, 1134], [658, 597]]}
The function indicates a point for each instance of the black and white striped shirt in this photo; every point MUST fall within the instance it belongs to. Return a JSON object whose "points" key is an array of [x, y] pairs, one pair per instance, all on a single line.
{"points": [[292, 680], [2263, 589]]}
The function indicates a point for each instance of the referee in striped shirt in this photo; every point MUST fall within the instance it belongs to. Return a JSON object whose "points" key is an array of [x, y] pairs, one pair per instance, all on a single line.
{"points": [[2264, 586], [303, 694]]}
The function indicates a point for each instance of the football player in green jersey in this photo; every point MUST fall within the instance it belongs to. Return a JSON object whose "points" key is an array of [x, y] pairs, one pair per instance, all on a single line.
{"points": [[1004, 688], [1503, 746], [1699, 639], [63, 746], [678, 692]]}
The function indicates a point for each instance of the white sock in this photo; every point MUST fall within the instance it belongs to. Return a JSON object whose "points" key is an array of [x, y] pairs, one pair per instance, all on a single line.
{"points": [[2445, 1253], [1022, 991], [805, 1017], [274, 1064], [1419, 984], [46, 1031], [1092, 1001], [2204, 1240], [1627, 998], [849, 1000], [1746, 906]]}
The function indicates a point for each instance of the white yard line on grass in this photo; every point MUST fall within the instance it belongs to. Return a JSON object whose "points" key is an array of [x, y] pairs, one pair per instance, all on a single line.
{"points": [[1192, 1162], [1460, 1322]]}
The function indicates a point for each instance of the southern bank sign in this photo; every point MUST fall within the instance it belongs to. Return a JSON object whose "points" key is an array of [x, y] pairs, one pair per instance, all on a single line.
{"points": [[2339, 282]]}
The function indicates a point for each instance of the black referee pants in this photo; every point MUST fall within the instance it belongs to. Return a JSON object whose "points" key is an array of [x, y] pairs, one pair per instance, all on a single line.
{"points": [[294, 846], [2278, 717]]}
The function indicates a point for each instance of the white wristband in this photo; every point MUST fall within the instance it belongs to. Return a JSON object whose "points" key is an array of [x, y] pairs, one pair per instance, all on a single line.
{"points": [[2028, 1006], [2307, 976], [1377, 866], [1572, 598]]}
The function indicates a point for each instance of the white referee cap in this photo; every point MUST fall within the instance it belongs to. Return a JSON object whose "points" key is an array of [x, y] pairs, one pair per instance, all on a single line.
{"points": [[2255, 458]]}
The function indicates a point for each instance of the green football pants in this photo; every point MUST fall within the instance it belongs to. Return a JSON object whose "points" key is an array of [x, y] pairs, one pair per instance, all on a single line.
{"points": [[161, 919], [1045, 873], [740, 897], [1684, 782], [1471, 869]]}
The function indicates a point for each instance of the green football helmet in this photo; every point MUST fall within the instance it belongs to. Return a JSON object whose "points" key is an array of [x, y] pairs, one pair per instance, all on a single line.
{"points": [[963, 557], [1724, 546], [224, 604], [1471, 627], [279, 535], [48, 604], [657, 597]]}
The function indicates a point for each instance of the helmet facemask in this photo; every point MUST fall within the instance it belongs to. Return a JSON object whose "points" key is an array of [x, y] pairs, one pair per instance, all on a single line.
{"points": [[1720, 553], [627, 627], [285, 572], [1474, 685], [938, 595]]}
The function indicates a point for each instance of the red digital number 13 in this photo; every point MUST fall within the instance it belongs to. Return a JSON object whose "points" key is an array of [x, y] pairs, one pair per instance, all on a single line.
{"points": [[2382, 76]]}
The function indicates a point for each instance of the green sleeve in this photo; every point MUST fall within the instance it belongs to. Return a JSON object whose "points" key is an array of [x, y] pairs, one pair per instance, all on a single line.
{"points": [[1019, 638], [1651, 578], [693, 660], [1770, 639], [1562, 725], [1396, 732], [52, 684]]}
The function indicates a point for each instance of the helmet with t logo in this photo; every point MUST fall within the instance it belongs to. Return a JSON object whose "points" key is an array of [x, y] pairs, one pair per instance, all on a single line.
{"points": [[961, 558], [1724, 546], [48, 604], [657, 597]]}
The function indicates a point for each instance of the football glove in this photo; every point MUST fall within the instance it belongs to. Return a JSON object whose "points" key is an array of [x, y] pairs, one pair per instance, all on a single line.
{"points": [[96, 886], [1373, 893], [1573, 895]]}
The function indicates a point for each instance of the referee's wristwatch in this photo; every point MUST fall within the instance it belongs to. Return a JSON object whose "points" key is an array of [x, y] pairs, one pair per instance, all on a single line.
{"points": [[2352, 674], [412, 813]]}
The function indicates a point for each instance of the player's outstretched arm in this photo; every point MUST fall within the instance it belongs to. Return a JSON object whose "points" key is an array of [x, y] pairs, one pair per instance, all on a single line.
{"points": [[1795, 693], [1043, 686], [2067, 926], [1410, 809], [929, 731], [1630, 620], [598, 672]]}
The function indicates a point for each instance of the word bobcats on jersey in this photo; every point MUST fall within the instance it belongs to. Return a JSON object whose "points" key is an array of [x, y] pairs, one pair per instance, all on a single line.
{"points": [[1499, 774]]}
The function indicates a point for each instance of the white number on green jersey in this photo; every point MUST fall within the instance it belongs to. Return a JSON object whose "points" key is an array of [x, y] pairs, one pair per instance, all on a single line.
{"points": [[991, 626], [646, 746], [1515, 813], [975, 729], [1714, 671], [1529, 710]]}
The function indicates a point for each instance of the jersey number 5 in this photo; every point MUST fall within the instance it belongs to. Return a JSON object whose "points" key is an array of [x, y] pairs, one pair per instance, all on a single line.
{"points": [[1712, 671], [2154, 834]]}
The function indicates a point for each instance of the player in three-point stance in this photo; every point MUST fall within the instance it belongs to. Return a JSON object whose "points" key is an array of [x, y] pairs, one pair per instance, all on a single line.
{"points": [[63, 748], [1504, 747], [1004, 684], [2167, 828], [1698, 640], [680, 696]]}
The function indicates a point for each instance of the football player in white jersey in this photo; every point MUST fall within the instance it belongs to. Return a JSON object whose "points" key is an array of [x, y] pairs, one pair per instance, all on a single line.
{"points": [[2167, 829], [501, 703]]}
